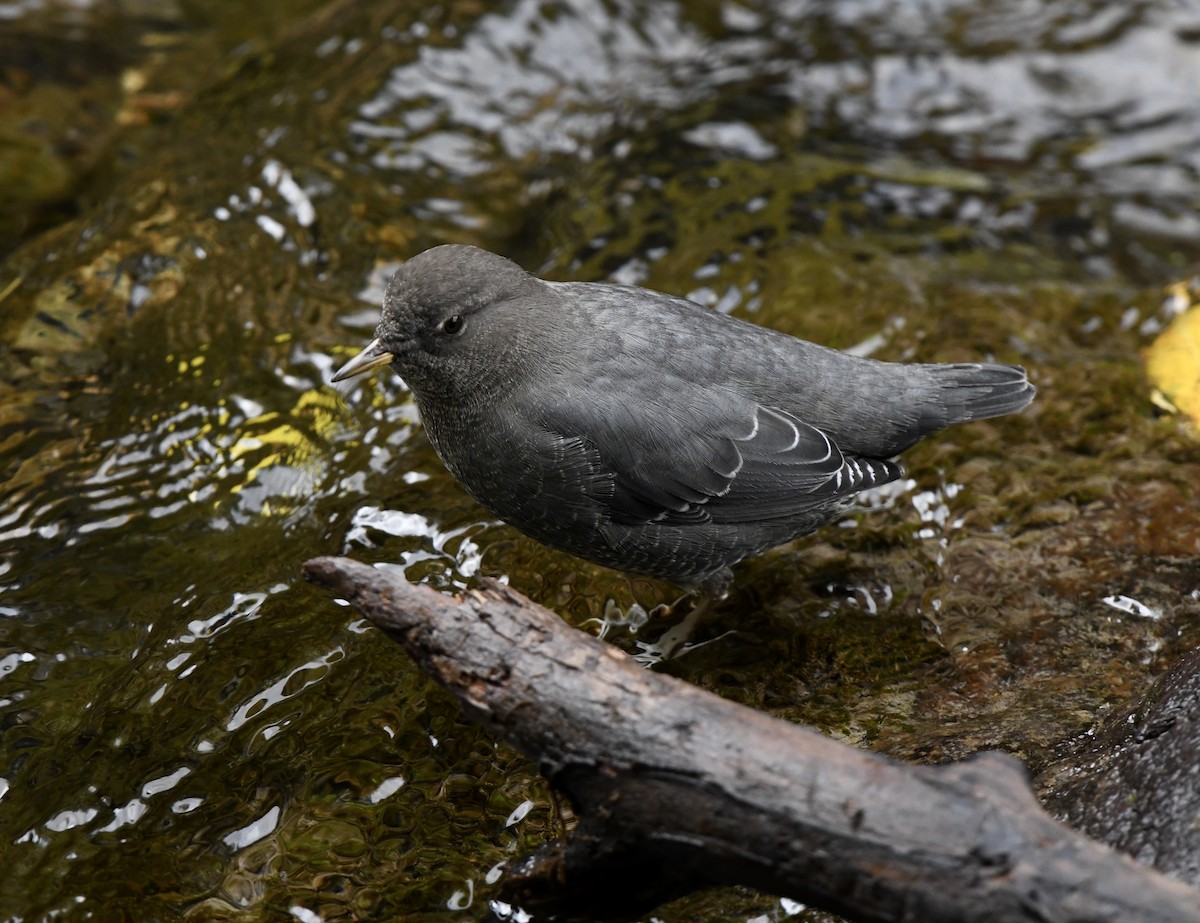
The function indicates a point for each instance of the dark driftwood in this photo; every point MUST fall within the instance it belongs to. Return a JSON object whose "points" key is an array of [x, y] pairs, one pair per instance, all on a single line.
{"points": [[1136, 787], [678, 789]]}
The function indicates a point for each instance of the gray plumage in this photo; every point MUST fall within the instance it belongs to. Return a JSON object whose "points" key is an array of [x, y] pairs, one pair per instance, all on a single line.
{"points": [[646, 433]]}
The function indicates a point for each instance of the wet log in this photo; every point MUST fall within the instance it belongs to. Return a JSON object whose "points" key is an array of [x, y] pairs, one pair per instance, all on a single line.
{"points": [[677, 789], [1135, 784]]}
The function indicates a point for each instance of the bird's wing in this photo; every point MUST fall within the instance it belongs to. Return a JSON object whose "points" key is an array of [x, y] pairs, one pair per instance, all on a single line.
{"points": [[718, 458]]}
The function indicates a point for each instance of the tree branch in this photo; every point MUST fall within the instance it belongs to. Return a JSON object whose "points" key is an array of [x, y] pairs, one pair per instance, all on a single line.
{"points": [[678, 789]]}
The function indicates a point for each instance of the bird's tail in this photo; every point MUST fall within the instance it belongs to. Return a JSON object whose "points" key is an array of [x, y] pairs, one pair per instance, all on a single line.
{"points": [[976, 391]]}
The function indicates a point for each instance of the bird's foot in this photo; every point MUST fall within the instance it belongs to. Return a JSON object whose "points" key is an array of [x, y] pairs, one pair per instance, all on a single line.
{"points": [[676, 640], [672, 643]]}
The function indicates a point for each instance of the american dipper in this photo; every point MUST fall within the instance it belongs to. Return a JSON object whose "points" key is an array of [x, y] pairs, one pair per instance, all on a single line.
{"points": [[642, 431]]}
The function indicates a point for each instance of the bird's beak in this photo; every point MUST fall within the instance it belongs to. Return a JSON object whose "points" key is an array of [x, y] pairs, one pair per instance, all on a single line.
{"points": [[372, 357]]}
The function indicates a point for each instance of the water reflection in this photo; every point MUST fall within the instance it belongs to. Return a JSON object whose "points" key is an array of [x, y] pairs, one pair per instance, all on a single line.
{"points": [[295, 206], [452, 553], [1036, 100], [253, 832], [537, 80], [294, 683]]}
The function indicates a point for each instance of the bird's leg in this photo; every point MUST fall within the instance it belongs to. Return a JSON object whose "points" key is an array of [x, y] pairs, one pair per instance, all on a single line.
{"points": [[674, 641]]}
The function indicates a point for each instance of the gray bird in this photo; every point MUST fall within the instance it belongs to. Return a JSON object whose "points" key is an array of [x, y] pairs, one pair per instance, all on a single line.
{"points": [[642, 431]]}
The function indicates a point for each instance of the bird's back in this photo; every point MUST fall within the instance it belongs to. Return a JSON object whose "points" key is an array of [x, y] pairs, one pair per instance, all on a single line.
{"points": [[868, 407]]}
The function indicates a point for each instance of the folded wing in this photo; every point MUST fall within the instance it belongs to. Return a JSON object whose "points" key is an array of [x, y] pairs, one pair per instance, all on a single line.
{"points": [[721, 459]]}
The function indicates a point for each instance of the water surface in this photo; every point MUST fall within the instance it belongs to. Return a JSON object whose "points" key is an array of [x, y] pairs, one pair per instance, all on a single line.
{"points": [[191, 732]]}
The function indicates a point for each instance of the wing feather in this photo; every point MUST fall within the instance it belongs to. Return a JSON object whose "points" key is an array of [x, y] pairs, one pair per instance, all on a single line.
{"points": [[729, 461]]}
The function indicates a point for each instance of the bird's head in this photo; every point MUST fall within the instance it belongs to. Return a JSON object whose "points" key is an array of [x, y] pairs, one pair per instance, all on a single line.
{"points": [[451, 318]]}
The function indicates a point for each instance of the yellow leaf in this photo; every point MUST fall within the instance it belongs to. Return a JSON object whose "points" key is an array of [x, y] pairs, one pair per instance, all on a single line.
{"points": [[1173, 364]]}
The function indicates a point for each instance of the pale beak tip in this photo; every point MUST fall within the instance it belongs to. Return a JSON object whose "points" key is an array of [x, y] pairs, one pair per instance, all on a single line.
{"points": [[370, 358]]}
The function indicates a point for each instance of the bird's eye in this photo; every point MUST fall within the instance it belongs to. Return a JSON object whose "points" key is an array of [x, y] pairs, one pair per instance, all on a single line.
{"points": [[452, 324]]}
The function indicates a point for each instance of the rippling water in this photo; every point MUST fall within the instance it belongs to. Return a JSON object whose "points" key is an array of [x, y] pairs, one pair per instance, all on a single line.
{"points": [[189, 731]]}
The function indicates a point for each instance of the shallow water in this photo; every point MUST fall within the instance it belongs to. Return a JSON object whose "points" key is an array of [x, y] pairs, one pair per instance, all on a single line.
{"points": [[191, 732]]}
